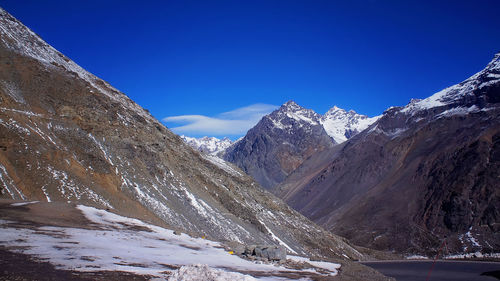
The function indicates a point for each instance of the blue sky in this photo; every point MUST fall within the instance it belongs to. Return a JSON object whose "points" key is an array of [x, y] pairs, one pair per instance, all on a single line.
{"points": [[205, 63]]}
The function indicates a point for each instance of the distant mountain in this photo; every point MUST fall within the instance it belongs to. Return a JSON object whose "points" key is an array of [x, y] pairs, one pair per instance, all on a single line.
{"points": [[66, 135], [279, 143], [208, 145], [341, 125], [420, 173], [282, 140]]}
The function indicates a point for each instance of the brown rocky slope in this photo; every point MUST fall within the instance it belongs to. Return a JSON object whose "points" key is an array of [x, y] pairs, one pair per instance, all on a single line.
{"points": [[420, 174], [66, 135]]}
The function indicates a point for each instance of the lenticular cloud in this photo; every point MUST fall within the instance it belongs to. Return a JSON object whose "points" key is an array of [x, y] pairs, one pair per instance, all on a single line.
{"points": [[234, 122]]}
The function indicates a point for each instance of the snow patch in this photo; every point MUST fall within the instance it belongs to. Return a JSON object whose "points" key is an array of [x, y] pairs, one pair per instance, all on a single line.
{"points": [[206, 273], [126, 244], [222, 164], [416, 257], [23, 203], [329, 266]]}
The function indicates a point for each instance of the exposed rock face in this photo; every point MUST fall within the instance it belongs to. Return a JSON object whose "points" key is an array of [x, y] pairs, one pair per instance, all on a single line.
{"points": [[420, 173], [66, 135], [279, 143]]}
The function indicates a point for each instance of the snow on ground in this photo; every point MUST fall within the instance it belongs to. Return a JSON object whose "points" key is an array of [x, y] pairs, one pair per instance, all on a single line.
{"points": [[472, 255], [125, 244], [204, 272], [417, 257], [329, 266]]}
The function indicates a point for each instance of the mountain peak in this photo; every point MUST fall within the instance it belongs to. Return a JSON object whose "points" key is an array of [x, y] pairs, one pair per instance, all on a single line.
{"points": [[290, 112], [342, 125], [290, 106]]}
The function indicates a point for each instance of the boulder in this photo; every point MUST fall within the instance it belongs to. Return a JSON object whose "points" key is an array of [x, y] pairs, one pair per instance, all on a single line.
{"points": [[268, 252]]}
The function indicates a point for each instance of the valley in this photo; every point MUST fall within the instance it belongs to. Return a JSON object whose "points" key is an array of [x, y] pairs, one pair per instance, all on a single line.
{"points": [[94, 187]]}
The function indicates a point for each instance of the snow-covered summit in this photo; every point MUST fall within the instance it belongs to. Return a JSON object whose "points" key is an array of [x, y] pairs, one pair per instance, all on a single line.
{"points": [[208, 145], [291, 114], [338, 123], [342, 125], [488, 76]]}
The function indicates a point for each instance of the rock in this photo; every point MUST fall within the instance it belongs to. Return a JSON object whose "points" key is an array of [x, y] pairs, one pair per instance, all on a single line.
{"points": [[266, 252]]}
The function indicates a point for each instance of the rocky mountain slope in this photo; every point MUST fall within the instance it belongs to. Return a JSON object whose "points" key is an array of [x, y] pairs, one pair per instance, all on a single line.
{"points": [[208, 145], [422, 172], [66, 135], [282, 140], [279, 143]]}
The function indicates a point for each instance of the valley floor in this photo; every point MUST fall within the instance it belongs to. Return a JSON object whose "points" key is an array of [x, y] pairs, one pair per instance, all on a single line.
{"points": [[58, 241]]}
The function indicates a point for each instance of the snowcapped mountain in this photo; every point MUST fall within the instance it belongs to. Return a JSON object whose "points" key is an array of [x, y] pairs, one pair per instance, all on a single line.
{"points": [[208, 145], [279, 143], [435, 162], [283, 139], [68, 136], [290, 116], [338, 123], [341, 125]]}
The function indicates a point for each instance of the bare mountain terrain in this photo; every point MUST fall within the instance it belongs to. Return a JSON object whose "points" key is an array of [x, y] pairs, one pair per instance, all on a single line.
{"points": [[68, 136], [419, 174]]}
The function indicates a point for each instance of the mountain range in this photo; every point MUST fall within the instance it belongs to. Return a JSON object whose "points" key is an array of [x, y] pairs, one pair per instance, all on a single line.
{"points": [[420, 175], [434, 162], [68, 136], [283, 139], [404, 181]]}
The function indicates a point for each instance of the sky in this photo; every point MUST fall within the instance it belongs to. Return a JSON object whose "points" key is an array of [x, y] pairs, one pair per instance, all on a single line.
{"points": [[215, 67]]}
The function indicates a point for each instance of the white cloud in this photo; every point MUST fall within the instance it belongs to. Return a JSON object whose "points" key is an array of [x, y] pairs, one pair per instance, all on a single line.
{"points": [[232, 123]]}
